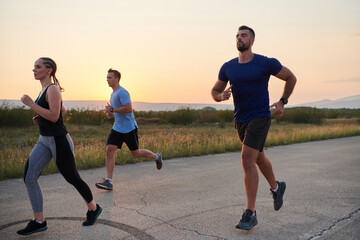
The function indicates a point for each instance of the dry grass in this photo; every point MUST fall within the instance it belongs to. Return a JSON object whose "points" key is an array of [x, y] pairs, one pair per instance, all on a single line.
{"points": [[172, 140]]}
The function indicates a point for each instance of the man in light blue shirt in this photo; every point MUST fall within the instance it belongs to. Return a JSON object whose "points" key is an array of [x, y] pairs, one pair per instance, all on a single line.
{"points": [[125, 129], [124, 122]]}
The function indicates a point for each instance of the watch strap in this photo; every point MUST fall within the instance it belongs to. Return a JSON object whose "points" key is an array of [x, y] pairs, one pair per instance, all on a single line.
{"points": [[284, 100]]}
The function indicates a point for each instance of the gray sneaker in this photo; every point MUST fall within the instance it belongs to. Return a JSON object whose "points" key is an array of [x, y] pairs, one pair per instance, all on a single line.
{"points": [[248, 220], [278, 195], [158, 160], [104, 185]]}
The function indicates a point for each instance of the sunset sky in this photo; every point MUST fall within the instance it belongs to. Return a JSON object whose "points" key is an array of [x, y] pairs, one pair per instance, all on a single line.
{"points": [[171, 50]]}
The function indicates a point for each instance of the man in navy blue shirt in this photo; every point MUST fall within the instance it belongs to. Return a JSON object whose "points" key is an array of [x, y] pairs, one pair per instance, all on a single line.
{"points": [[248, 76]]}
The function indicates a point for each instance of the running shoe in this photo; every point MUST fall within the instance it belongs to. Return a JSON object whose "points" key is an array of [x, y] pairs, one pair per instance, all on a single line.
{"points": [[248, 220], [278, 195], [33, 227], [106, 184], [91, 216], [158, 160]]}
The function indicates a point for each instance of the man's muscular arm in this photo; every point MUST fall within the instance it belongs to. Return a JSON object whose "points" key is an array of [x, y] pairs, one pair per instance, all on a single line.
{"points": [[219, 93]]}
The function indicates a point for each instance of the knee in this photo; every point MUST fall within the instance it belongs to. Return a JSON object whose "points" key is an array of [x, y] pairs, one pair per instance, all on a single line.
{"points": [[110, 151], [30, 180], [247, 162], [247, 165], [71, 178], [135, 153], [262, 159], [259, 161]]}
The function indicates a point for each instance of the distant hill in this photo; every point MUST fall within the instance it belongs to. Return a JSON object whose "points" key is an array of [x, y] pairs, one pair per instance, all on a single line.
{"points": [[144, 106], [346, 102], [137, 106]]}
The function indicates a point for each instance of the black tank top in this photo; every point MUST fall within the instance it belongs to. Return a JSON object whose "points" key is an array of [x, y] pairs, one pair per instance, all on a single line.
{"points": [[48, 128]]}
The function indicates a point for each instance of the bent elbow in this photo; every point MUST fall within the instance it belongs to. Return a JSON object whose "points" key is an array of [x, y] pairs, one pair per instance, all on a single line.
{"points": [[54, 120], [214, 95], [129, 110], [215, 99]]}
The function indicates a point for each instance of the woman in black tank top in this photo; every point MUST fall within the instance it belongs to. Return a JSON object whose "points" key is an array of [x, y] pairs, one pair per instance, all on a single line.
{"points": [[54, 142]]}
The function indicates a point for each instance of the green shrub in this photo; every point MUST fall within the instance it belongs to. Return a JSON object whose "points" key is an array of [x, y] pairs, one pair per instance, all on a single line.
{"points": [[332, 114], [342, 112], [15, 117], [21, 117], [225, 115], [181, 116], [146, 114], [302, 115], [85, 117]]}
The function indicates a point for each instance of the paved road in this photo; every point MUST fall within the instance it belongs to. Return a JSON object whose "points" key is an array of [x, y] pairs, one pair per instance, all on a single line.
{"points": [[203, 198]]}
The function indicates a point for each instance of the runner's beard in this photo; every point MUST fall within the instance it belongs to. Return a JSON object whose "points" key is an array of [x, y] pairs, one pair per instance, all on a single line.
{"points": [[242, 47]]}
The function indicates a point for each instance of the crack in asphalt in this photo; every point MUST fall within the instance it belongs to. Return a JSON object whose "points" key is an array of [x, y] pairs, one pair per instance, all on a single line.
{"points": [[336, 223], [138, 211]]}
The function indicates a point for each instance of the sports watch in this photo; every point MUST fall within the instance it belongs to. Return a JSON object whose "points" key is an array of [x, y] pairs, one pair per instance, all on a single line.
{"points": [[111, 109], [284, 100]]}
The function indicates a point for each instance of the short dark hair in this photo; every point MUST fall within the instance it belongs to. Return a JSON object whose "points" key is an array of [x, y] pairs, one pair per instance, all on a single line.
{"points": [[252, 32], [117, 74]]}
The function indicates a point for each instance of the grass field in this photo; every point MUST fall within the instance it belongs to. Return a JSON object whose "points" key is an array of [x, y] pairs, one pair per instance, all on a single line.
{"points": [[172, 140]]}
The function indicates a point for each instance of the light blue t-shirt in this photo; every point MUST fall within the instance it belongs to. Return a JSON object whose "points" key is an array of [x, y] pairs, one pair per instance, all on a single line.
{"points": [[124, 122]]}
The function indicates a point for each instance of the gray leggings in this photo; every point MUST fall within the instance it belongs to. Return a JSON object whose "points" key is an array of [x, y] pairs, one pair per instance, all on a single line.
{"points": [[61, 148]]}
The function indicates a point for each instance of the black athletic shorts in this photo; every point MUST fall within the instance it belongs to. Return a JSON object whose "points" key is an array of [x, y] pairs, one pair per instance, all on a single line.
{"points": [[130, 138], [253, 133]]}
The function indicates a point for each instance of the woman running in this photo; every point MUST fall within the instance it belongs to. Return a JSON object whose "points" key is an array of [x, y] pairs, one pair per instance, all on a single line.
{"points": [[54, 142]]}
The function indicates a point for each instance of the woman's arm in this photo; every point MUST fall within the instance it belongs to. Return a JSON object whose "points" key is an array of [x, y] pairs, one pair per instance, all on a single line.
{"points": [[53, 97]]}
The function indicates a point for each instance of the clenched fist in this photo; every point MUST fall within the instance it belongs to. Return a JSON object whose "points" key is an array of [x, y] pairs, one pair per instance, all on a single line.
{"points": [[25, 99]]}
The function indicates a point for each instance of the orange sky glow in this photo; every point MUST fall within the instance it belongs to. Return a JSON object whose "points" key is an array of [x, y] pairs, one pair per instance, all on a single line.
{"points": [[171, 51]]}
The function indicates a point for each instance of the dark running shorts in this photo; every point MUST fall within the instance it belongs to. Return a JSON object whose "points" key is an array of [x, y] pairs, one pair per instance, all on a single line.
{"points": [[130, 138], [253, 133]]}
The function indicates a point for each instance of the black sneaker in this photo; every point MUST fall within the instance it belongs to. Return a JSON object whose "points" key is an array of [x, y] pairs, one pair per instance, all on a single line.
{"points": [[33, 227], [278, 195], [248, 220], [158, 160], [105, 185], [91, 216]]}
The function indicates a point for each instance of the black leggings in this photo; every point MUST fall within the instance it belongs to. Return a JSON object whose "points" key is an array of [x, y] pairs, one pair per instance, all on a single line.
{"points": [[61, 148]]}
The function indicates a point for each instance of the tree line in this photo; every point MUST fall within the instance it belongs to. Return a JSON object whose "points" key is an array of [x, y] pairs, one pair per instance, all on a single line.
{"points": [[21, 117]]}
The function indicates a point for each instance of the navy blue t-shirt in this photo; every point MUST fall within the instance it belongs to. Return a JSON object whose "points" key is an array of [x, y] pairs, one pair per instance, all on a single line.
{"points": [[250, 85]]}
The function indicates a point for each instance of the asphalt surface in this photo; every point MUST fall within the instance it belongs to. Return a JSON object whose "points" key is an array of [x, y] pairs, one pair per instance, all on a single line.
{"points": [[203, 198]]}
